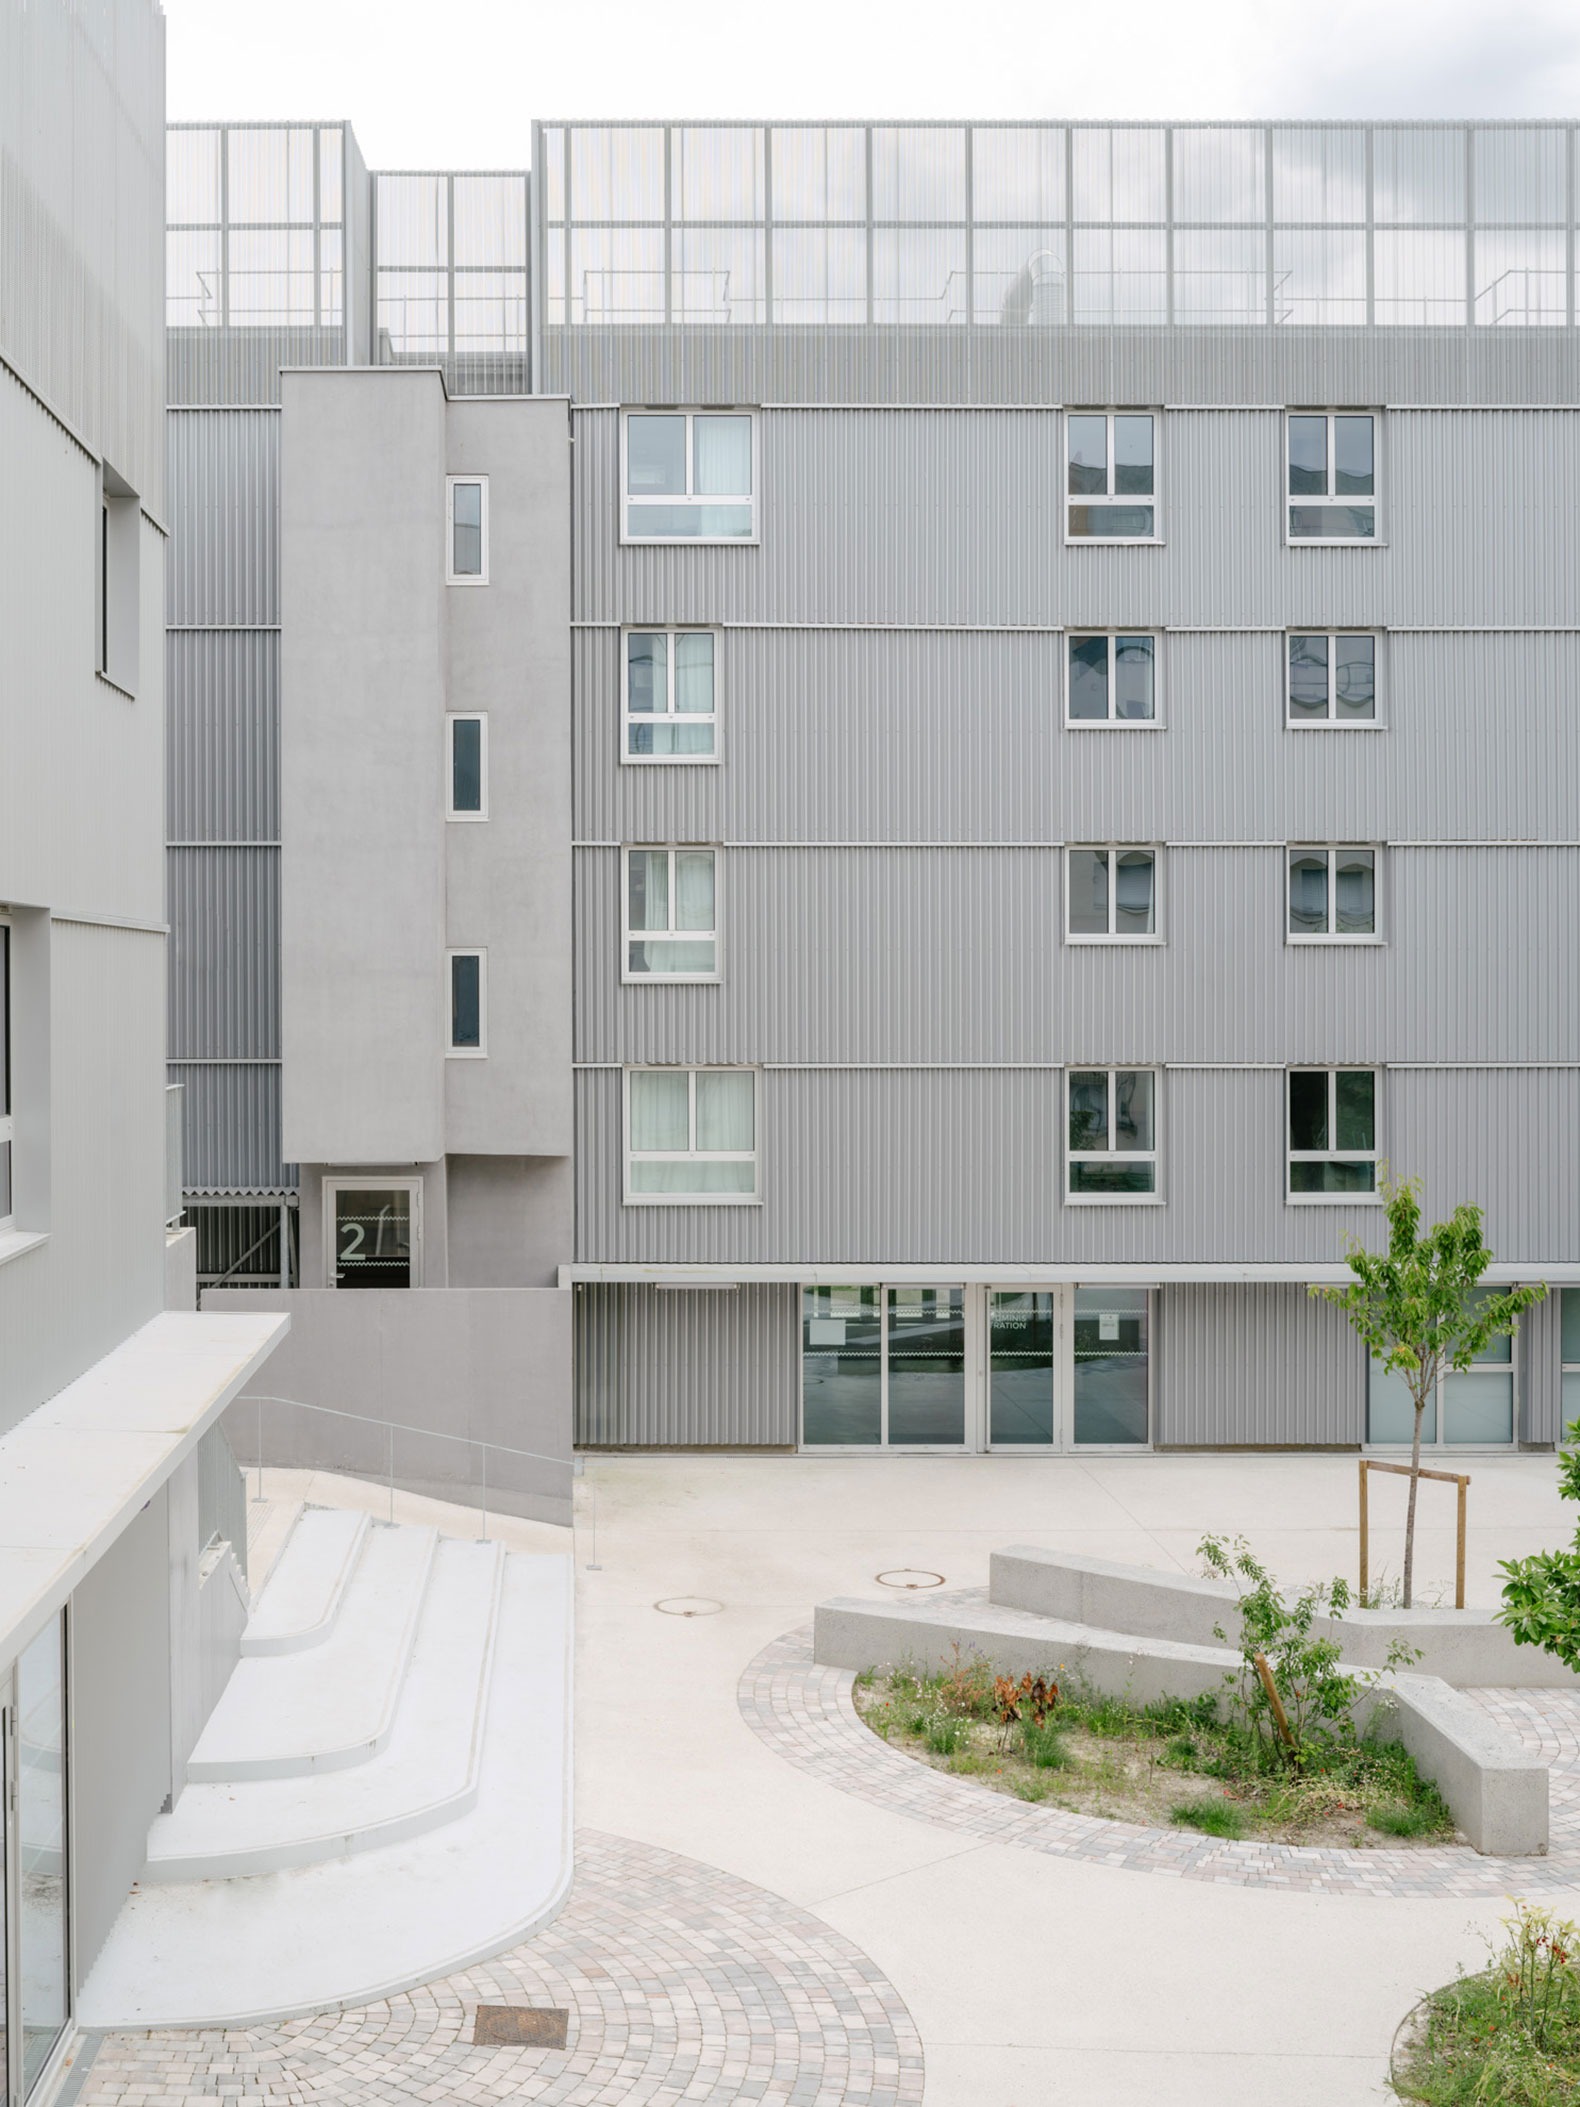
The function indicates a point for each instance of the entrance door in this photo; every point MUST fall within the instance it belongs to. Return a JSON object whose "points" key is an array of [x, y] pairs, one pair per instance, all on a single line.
{"points": [[1067, 1368], [884, 1367], [374, 1231]]}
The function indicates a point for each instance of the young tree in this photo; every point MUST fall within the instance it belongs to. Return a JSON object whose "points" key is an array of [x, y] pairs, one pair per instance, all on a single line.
{"points": [[1419, 1310]]}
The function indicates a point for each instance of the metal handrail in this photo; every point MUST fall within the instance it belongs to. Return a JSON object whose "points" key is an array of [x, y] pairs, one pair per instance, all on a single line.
{"points": [[392, 1427]]}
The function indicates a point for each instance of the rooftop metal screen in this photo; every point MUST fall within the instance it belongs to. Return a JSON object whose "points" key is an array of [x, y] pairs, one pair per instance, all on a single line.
{"points": [[646, 225], [450, 263]]}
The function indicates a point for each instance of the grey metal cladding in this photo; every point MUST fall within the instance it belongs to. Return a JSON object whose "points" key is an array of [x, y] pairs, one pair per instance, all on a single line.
{"points": [[927, 955], [937, 1166], [224, 503], [224, 954], [1255, 1364], [925, 736], [222, 744], [232, 1127], [1094, 365], [891, 516], [687, 1368], [1538, 1371]]}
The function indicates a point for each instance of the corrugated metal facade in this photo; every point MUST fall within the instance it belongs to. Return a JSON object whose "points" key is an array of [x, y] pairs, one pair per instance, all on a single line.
{"points": [[687, 1368], [1259, 1367]]}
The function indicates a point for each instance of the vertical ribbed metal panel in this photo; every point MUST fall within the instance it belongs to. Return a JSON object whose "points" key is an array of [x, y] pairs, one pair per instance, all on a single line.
{"points": [[687, 1368], [949, 1167], [224, 954], [233, 1128], [1539, 1365], [1255, 1367], [82, 221], [951, 955], [224, 500], [222, 748], [879, 517]]}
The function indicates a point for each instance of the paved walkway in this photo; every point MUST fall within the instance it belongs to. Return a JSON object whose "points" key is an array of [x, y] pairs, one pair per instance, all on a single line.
{"points": [[746, 1925], [680, 1982], [806, 1714]]}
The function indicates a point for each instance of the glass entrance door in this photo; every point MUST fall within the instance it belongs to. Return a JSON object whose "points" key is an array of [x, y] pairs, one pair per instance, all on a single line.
{"points": [[1068, 1368], [883, 1367]]}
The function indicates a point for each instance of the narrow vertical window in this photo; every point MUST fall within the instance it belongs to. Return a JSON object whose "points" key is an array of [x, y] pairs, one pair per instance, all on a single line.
{"points": [[468, 996], [467, 506], [1332, 475], [467, 767]]}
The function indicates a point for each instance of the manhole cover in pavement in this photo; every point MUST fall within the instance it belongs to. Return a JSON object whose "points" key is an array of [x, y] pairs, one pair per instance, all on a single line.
{"points": [[689, 1606], [521, 2026], [910, 1577]]}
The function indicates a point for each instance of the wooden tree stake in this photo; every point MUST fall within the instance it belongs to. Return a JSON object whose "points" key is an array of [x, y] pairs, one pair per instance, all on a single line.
{"points": [[1275, 1701]]}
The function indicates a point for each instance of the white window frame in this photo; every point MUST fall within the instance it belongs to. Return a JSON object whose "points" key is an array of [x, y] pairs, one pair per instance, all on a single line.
{"points": [[1442, 1392], [1108, 498], [628, 935], [360, 1183], [1336, 541], [452, 719], [1333, 722], [1333, 936], [1154, 1155], [628, 718], [1373, 1155], [1111, 723], [8, 1059], [691, 497], [1565, 1367], [1111, 849], [693, 1154], [451, 575], [466, 1053]]}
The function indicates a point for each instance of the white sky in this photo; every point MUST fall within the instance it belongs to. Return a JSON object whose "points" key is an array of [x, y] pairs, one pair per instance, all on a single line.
{"points": [[456, 85]]}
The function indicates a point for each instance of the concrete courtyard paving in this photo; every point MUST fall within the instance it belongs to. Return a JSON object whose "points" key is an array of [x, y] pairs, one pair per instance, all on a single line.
{"points": [[1029, 1978]]}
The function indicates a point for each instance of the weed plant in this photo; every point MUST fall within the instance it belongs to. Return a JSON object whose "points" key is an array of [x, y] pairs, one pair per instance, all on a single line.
{"points": [[1510, 2035], [1134, 1761]]}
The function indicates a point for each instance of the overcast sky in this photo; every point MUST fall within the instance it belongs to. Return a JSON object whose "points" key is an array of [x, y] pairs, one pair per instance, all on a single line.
{"points": [[456, 85]]}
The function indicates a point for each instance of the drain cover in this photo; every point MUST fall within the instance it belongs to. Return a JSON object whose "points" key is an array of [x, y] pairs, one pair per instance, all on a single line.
{"points": [[910, 1577], [521, 2026], [689, 1606]]}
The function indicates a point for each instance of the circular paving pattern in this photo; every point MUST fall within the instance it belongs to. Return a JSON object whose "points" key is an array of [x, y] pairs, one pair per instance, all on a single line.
{"points": [[682, 1982], [806, 1713]]}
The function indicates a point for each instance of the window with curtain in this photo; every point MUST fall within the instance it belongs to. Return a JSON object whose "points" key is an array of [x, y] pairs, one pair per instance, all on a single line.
{"points": [[671, 711], [671, 915], [1111, 896], [691, 1134], [1332, 896], [690, 475]]}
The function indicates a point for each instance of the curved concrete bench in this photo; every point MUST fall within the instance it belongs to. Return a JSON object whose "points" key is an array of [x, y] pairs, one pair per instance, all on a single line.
{"points": [[1464, 1647], [1495, 1788]]}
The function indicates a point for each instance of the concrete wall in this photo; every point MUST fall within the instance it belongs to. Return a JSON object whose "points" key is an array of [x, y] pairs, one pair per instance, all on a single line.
{"points": [[489, 1365], [121, 1745], [181, 1269], [362, 688], [510, 1220]]}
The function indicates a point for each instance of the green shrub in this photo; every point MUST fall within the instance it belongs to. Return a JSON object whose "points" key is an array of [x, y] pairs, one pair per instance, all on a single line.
{"points": [[944, 1732]]}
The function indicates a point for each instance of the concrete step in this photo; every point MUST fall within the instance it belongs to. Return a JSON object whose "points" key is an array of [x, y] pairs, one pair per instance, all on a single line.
{"points": [[332, 1704], [424, 1776], [350, 1930], [307, 1582]]}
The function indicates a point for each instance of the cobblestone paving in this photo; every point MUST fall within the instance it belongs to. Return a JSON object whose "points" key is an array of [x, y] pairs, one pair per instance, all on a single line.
{"points": [[682, 1983], [807, 1714]]}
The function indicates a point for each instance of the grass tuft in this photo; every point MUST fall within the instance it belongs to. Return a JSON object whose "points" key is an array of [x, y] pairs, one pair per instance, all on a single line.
{"points": [[1211, 1817]]}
